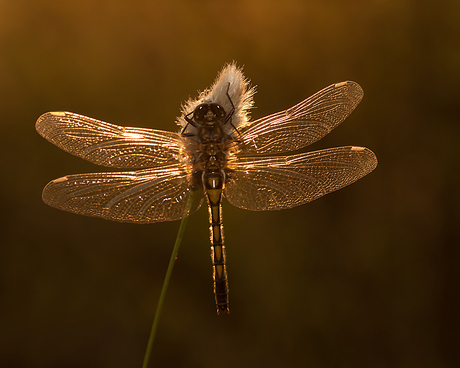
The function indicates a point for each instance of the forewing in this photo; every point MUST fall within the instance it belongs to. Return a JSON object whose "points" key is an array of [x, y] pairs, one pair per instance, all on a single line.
{"points": [[144, 196], [303, 124], [108, 144], [276, 183]]}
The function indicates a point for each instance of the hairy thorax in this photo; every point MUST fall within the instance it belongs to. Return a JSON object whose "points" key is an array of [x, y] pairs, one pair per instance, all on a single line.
{"points": [[212, 148]]}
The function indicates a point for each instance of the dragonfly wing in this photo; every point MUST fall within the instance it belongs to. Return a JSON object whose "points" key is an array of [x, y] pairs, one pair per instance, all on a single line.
{"points": [[275, 183], [144, 196], [108, 144], [302, 124]]}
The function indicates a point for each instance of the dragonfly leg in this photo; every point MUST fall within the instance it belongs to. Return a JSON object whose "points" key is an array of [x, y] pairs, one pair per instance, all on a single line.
{"points": [[232, 111], [189, 121]]}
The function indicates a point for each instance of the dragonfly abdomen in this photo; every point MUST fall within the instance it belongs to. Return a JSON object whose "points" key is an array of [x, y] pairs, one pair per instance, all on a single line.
{"points": [[213, 184]]}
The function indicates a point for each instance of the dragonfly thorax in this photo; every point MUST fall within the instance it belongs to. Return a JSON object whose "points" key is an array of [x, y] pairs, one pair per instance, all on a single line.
{"points": [[209, 142], [211, 155]]}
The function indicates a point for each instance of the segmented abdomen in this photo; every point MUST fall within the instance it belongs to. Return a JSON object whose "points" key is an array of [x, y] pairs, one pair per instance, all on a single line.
{"points": [[213, 185]]}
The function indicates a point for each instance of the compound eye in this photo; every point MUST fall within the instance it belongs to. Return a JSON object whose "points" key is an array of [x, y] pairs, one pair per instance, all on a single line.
{"points": [[199, 113], [219, 111]]}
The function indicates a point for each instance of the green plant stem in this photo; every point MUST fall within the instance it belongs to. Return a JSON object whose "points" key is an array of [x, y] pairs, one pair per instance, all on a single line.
{"points": [[156, 320]]}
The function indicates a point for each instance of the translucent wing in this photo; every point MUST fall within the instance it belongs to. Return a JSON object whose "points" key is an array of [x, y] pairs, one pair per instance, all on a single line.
{"points": [[150, 195], [303, 124], [108, 144], [276, 183]]}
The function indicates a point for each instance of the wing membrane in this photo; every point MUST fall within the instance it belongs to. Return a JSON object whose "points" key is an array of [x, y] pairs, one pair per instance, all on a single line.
{"points": [[276, 183], [302, 124], [108, 144], [144, 196]]}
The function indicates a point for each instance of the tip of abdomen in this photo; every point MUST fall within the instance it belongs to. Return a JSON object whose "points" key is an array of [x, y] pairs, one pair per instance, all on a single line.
{"points": [[223, 308]]}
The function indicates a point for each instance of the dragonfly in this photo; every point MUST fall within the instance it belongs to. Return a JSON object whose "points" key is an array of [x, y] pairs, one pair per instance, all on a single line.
{"points": [[217, 152]]}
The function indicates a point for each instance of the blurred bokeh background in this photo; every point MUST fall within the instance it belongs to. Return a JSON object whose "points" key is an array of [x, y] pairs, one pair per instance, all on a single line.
{"points": [[364, 277]]}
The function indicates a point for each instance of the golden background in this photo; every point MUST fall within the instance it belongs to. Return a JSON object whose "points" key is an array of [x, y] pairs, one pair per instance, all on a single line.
{"points": [[364, 277]]}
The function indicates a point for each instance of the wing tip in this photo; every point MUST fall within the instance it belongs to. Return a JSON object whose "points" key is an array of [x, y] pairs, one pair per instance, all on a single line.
{"points": [[353, 89], [368, 155], [44, 120]]}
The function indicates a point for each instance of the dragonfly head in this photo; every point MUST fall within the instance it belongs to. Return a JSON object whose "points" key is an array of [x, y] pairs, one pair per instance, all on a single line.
{"points": [[209, 113]]}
